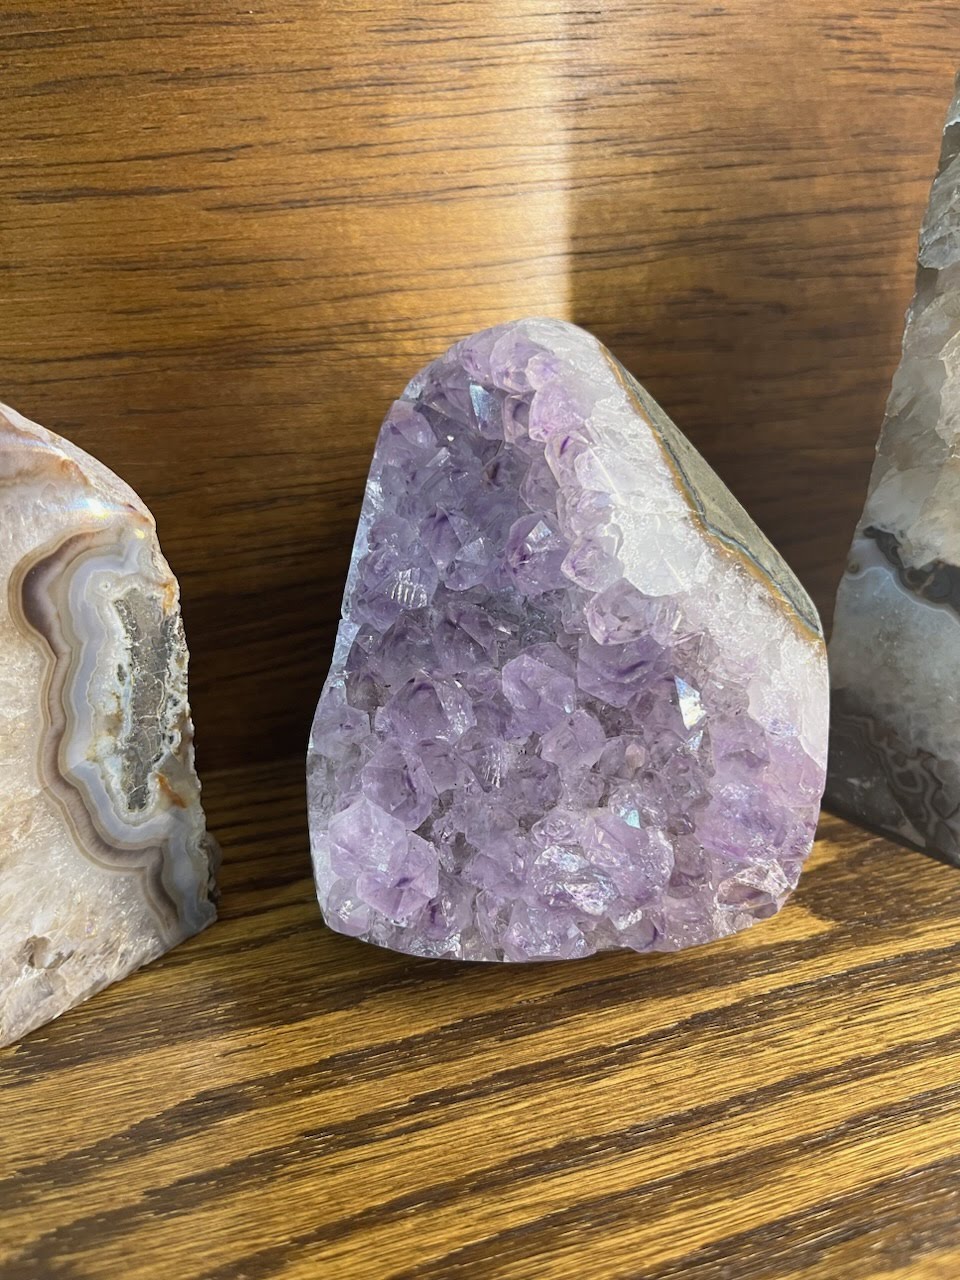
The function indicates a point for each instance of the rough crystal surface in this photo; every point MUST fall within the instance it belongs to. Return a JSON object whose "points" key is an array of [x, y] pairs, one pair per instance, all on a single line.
{"points": [[577, 701], [104, 858], [895, 651]]}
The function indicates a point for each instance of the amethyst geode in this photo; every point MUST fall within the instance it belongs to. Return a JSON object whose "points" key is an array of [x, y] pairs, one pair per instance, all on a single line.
{"points": [[578, 702]]}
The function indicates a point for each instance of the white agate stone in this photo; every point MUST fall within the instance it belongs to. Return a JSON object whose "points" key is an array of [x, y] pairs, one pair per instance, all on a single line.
{"points": [[105, 862]]}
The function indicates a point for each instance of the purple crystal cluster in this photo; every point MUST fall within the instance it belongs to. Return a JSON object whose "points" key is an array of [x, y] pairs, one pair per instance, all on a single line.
{"points": [[553, 723]]}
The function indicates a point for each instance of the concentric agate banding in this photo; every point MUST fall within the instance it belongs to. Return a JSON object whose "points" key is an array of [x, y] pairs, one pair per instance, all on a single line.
{"points": [[96, 756], [96, 593]]}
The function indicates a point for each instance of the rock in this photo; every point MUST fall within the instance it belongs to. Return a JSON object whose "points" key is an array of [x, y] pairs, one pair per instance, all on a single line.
{"points": [[578, 702], [895, 650], [104, 858]]}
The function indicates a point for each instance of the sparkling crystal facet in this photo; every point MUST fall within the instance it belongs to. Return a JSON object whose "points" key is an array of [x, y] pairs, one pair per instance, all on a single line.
{"points": [[578, 702]]}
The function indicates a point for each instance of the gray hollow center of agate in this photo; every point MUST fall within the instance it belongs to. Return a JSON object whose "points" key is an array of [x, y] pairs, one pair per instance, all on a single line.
{"points": [[152, 641]]}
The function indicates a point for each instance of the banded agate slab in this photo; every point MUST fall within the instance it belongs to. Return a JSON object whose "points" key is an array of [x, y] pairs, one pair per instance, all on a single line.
{"points": [[578, 702], [105, 862], [895, 649]]}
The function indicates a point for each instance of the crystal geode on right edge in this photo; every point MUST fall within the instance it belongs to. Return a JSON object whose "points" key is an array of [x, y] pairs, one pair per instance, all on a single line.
{"points": [[577, 702], [895, 650]]}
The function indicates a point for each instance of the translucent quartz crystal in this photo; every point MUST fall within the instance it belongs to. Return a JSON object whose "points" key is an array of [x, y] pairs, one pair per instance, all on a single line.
{"points": [[104, 858], [577, 701], [895, 651]]}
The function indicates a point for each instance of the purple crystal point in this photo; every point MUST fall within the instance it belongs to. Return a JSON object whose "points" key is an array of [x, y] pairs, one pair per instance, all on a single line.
{"points": [[578, 702]]}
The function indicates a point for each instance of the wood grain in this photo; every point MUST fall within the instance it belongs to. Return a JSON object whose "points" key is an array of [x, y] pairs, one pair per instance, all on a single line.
{"points": [[228, 236], [273, 1100]]}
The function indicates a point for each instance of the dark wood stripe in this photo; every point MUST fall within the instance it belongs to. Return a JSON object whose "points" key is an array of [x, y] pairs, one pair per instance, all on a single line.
{"points": [[216, 1106], [233, 233], [856, 1236]]}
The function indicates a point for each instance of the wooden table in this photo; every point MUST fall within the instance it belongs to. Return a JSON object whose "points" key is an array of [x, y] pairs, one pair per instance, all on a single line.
{"points": [[228, 235]]}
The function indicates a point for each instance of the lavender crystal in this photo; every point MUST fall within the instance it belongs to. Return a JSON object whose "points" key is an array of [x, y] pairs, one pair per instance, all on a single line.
{"points": [[577, 702]]}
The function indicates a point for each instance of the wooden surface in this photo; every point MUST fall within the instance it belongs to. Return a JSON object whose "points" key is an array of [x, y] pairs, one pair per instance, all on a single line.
{"points": [[273, 1100], [228, 235]]}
